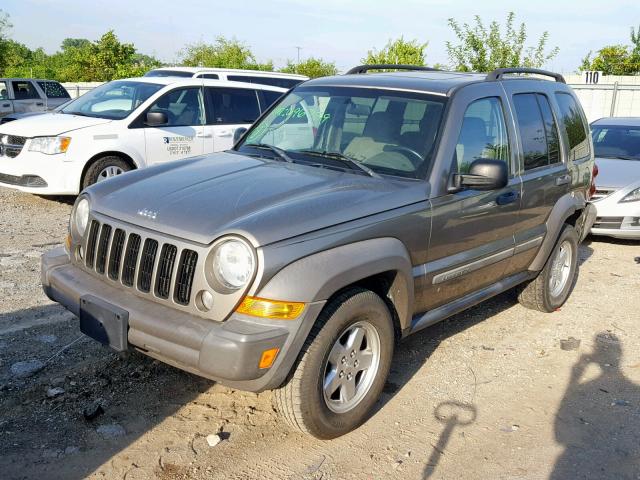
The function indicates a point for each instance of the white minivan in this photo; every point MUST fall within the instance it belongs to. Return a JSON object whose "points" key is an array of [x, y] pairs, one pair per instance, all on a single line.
{"points": [[124, 125], [275, 79]]}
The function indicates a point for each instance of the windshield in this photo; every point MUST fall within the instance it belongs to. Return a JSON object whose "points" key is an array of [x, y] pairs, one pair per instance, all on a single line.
{"points": [[616, 142], [360, 129], [113, 100]]}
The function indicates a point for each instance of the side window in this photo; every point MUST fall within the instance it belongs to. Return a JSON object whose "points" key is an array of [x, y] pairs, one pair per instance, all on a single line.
{"points": [[212, 76], [24, 90], [269, 98], [4, 93], [574, 126], [53, 90], [233, 105], [550, 129], [483, 134], [183, 106], [532, 131]]}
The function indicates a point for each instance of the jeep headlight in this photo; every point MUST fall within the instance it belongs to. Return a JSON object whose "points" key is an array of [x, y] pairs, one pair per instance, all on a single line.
{"points": [[233, 263], [80, 217], [632, 196], [49, 145]]}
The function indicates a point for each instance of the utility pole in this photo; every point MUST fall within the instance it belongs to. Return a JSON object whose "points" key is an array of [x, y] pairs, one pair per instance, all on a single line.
{"points": [[298, 63]]}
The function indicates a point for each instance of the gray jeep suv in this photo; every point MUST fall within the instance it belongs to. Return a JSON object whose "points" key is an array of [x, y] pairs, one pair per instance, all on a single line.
{"points": [[358, 210]]}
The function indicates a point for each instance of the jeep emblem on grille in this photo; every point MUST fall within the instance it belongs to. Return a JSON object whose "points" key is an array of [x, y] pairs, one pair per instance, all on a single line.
{"points": [[145, 212]]}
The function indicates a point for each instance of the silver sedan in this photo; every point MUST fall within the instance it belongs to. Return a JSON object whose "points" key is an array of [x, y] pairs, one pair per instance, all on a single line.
{"points": [[617, 198]]}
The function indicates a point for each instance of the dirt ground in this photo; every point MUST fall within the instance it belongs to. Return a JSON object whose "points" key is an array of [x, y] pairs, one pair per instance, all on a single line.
{"points": [[488, 394]]}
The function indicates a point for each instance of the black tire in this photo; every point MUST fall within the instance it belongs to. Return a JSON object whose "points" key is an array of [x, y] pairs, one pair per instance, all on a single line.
{"points": [[301, 400], [538, 294], [98, 165]]}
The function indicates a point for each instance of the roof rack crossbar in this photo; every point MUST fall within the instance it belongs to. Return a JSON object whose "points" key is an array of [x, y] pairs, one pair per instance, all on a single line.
{"points": [[388, 66], [498, 73]]}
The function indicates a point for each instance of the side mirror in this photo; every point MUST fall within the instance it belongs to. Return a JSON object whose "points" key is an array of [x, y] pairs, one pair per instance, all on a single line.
{"points": [[156, 119], [238, 133], [484, 174]]}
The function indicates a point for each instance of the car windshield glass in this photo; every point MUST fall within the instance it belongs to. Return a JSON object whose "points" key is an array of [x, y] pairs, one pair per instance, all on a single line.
{"points": [[114, 100], [386, 131], [616, 142]]}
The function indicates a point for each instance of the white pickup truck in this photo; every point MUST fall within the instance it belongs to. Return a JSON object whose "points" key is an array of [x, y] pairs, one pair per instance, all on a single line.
{"points": [[21, 95]]}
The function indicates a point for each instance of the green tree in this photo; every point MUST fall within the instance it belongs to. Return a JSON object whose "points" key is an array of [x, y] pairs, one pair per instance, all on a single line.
{"points": [[312, 67], [483, 49], [398, 52], [5, 26], [223, 53], [613, 60]]}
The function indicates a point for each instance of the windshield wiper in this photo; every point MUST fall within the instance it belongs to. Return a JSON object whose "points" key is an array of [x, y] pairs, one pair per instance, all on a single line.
{"points": [[353, 164], [278, 151]]}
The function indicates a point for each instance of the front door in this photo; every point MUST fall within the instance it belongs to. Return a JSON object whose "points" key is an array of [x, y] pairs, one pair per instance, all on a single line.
{"points": [[472, 231], [228, 109], [26, 97], [183, 136]]}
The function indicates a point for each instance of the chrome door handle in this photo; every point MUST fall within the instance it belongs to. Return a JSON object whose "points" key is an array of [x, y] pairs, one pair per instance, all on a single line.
{"points": [[563, 180], [204, 135]]}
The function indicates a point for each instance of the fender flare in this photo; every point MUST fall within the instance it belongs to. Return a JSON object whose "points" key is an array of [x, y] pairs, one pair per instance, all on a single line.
{"points": [[564, 208], [317, 277]]}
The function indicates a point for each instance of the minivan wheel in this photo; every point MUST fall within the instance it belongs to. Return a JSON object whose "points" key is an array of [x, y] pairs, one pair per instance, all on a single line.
{"points": [[553, 285], [104, 168], [342, 367]]}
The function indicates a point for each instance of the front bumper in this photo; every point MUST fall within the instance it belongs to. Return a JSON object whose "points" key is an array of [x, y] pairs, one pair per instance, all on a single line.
{"points": [[228, 352], [35, 172], [618, 220]]}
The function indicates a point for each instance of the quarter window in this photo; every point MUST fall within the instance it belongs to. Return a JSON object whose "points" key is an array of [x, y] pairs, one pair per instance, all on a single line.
{"points": [[483, 134], [574, 126], [538, 130], [233, 105], [183, 107], [24, 90], [53, 90]]}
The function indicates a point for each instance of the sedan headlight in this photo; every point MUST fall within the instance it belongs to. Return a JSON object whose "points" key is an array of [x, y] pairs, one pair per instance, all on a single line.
{"points": [[49, 145], [80, 217], [233, 263], [632, 196]]}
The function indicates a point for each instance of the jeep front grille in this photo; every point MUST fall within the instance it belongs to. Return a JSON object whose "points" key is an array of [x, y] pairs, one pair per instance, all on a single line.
{"points": [[11, 145], [145, 263]]}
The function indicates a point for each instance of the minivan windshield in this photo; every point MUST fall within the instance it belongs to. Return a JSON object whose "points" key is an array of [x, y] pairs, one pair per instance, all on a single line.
{"points": [[367, 131], [616, 141], [113, 100]]}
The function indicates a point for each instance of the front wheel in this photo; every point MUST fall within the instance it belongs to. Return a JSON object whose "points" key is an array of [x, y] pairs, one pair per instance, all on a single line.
{"points": [[342, 368], [553, 285], [104, 168]]}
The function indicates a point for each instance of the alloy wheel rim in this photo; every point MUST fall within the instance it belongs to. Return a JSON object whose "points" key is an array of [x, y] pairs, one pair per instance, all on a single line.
{"points": [[109, 172], [351, 367], [560, 269]]}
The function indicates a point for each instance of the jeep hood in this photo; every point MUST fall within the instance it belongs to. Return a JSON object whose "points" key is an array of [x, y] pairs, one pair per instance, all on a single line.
{"points": [[49, 124], [266, 201], [617, 173]]}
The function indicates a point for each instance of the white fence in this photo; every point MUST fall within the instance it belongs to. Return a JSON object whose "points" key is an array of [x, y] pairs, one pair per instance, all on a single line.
{"points": [[77, 89]]}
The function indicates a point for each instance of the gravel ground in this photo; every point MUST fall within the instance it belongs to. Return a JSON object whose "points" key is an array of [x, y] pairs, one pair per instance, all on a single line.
{"points": [[497, 392]]}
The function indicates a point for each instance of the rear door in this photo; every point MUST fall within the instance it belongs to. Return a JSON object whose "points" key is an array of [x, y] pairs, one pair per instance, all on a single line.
{"points": [[6, 104], [183, 136], [545, 176], [471, 243], [227, 110], [55, 94], [26, 97]]}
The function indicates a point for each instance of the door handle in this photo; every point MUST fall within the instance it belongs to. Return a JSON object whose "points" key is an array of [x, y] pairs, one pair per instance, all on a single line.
{"points": [[223, 133], [39, 104], [204, 135], [6, 105], [563, 180], [507, 198]]}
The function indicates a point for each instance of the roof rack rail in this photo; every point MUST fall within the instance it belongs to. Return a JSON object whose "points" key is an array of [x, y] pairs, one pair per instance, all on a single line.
{"points": [[498, 73], [388, 66]]}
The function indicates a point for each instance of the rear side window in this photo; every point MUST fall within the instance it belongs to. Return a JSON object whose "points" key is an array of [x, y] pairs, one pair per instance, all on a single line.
{"points": [[233, 105], [273, 81], [270, 98], [24, 90], [168, 73], [538, 130], [4, 94], [574, 126], [483, 134], [53, 90], [211, 76]]}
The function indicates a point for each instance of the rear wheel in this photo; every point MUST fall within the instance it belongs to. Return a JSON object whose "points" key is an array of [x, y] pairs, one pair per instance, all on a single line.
{"points": [[342, 368], [553, 285], [104, 168]]}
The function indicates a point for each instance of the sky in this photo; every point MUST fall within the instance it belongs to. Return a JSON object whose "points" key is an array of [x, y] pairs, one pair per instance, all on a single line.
{"points": [[341, 31]]}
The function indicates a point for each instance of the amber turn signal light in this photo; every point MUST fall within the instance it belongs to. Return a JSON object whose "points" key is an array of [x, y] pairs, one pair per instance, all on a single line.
{"points": [[268, 357], [274, 309]]}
